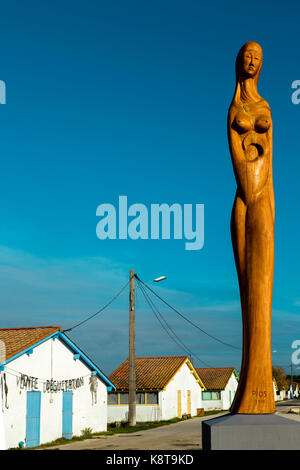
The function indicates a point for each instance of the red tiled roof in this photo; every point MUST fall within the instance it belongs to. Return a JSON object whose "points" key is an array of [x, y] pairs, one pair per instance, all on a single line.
{"points": [[17, 339], [152, 373], [215, 378]]}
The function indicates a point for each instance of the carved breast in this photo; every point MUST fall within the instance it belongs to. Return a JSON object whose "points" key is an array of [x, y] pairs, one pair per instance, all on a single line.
{"points": [[262, 123], [244, 122]]}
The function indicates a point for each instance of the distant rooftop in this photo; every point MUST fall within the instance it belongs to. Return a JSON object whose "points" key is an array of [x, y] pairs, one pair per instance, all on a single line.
{"points": [[152, 373], [215, 378]]}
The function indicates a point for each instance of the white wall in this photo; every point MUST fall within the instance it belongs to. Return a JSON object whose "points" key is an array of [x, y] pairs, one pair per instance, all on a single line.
{"points": [[143, 413], [184, 380], [2, 432], [275, 393], [38, 364], [212, 404], [230, 387], [283, 395]]}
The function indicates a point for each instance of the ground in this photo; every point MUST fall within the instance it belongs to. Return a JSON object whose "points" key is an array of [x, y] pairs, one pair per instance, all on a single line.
{"points": [[184, 435]]}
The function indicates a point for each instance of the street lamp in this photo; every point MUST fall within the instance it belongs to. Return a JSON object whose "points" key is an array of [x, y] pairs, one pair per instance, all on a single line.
{"points": [[157, 279]]}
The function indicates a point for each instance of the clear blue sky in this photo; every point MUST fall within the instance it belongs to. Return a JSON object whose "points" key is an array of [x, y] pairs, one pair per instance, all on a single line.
{"points": [[131, 98]]}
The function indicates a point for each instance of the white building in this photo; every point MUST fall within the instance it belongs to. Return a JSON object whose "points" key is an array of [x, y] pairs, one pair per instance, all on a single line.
{"points": [[293, 390], [49, 387], [277, 396], [220, 387], [167, 387]]}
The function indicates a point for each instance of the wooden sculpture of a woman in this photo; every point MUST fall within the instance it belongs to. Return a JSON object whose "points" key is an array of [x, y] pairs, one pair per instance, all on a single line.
{"points": [[252, 230]]}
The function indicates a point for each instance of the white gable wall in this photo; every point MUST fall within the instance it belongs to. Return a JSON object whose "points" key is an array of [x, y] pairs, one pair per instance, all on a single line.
{"points": [[229, 389], [183, 380], [64, 367]]}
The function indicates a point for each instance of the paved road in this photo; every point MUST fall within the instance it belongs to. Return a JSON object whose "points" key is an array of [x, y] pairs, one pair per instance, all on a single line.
{"points": [[283, 408], [280, 406], [179, 436], [183, 435]]}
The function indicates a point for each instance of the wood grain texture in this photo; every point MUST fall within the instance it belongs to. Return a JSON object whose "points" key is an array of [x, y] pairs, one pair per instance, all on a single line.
{"points": [[250, 136]]}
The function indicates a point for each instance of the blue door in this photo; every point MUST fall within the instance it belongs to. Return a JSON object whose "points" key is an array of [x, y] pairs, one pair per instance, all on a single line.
{"points": [[67, 417], [33, 419]]}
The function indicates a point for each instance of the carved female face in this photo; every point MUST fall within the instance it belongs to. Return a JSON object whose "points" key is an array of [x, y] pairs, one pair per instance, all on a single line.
{"points": [[252, 59]]}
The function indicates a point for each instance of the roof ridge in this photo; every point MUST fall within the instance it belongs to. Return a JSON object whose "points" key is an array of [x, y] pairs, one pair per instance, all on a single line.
{"points": [[209, 368], [160, 357], [149, 357], [30, 328]]}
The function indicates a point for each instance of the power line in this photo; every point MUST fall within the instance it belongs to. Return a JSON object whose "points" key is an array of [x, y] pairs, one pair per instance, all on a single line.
{"points": [[187, 319], [99, 311], [161, 319]]}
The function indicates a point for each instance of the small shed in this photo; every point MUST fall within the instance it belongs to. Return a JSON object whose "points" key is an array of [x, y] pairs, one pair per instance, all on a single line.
{"points": [[49, 388], [220, 387], [166, 387]]}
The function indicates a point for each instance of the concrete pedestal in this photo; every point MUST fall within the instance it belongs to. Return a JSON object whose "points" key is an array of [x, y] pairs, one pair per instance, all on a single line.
{"points": [[251, 432]]}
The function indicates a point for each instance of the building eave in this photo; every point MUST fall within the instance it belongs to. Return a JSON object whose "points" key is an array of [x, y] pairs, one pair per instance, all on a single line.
{"points": [[193, 371]]}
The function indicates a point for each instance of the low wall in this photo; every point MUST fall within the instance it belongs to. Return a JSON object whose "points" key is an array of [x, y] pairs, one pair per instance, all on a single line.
{"points": [[212, 404], [143, 413]]}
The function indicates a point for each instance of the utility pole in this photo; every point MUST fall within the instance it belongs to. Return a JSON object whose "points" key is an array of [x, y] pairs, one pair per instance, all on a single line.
{"points": [[132, 374]]}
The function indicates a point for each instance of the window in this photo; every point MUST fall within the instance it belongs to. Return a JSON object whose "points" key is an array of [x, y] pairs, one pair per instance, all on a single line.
{"points": [[152, 398], [124, 398], [211, 395], [140, 398], [112, 398], [206, 395]]}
